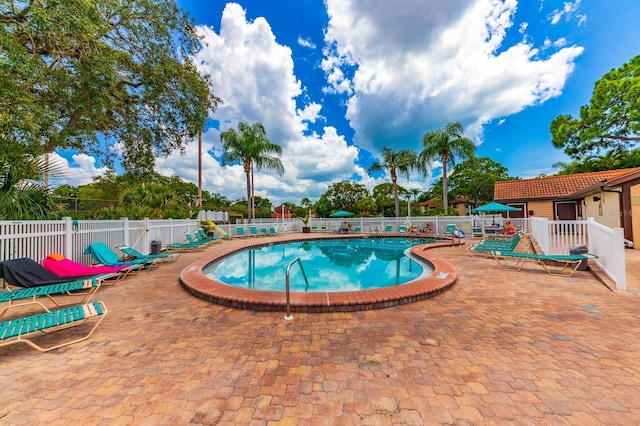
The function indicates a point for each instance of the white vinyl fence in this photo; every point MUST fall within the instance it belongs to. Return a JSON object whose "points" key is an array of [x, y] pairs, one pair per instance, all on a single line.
{"points": [[37, 239], [559, 236]]}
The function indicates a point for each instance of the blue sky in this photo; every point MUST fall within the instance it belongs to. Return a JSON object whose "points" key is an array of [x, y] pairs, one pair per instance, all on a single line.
{"points": [[334, 81]]}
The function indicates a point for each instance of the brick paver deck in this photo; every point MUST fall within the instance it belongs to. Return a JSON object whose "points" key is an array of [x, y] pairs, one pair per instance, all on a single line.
{"points": [[499, 347]]}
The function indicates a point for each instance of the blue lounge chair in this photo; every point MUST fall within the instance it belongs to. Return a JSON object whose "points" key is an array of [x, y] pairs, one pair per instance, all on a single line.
{"points": [[254, 231], [240, 232], [554, 264], [196, 241], [388, 228], [86, 288], [20, 330], [202, 236], [272, 231], [105, 256], [162, 257], [264, 231], [485, 246]]}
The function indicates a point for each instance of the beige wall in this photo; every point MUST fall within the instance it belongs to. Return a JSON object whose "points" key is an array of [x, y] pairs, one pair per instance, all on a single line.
{"points": [[635, 214], [542, 208], [606, 211]]}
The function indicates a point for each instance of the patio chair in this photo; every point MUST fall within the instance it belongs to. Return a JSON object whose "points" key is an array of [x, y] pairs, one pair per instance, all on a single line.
{"points": [[21, 330], [357, 230], [162, 257], [272, 230], [103, 255], [196, 241], [554, 264], [388, 229], [402, 229], [67, 268], [240, 232], [202, 236], [85, 288], [254, 231], [485, 246], [264, 231], [26, 273]]}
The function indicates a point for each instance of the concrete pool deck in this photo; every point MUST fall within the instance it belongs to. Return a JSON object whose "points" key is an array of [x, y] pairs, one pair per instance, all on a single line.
{"points": [[499, 347]]}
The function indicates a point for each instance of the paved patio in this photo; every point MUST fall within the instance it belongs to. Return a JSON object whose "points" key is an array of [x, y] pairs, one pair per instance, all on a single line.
{"points": [[499, 347]]}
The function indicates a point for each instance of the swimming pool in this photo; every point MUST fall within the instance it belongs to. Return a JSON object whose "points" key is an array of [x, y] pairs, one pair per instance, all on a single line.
{"points": [[204, 287], [347, 264]]}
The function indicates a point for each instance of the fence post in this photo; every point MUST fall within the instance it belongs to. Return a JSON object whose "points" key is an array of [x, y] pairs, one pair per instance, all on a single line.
{"points": [[68, 237], [620, 268], [125, 230], [145, 241]]}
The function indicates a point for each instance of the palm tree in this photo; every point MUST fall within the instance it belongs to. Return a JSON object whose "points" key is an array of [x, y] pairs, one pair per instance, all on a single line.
{"points": [[449, 145], [400, 162], [250, 146], [23, 195]]}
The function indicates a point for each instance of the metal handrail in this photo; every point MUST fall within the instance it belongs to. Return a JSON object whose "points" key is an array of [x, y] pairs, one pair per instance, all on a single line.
{"points": [[297, 259]]}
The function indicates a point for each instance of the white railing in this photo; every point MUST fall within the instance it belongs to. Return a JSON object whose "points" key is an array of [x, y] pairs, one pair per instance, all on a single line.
{"points": [[37, 239], [558, 236]]}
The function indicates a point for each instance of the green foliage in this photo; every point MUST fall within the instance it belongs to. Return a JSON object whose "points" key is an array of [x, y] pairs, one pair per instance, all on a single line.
{"points": [[612, 160], [74, 74], [611, 120], [448, 145], [475, 179], [342, 195]]}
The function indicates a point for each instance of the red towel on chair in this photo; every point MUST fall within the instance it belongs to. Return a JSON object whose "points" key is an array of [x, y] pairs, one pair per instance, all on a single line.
{"points": [[69, 268]]}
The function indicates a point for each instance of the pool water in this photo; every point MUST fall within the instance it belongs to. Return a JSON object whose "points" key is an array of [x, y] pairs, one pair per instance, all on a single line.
{"points": [[329, 265]]}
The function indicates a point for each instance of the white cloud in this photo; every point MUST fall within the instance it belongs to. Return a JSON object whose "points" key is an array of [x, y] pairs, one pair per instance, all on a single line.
{"points": [[254, 76], [421, 67], [568, 11], [306, 43], [79, 171]]}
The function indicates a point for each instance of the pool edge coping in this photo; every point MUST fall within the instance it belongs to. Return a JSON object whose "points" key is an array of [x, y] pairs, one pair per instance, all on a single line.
{"points": [[201, 286]]}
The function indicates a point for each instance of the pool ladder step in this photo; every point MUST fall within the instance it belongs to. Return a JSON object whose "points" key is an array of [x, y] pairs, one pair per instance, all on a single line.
{"points": [[296, 260]]}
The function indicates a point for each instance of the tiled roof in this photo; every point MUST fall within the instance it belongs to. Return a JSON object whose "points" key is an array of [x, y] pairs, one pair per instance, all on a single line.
{"points": [[553, 187]]}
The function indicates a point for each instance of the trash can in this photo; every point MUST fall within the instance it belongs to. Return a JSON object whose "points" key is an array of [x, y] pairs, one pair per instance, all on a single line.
{"points": [[156, 247], [580, 249]]}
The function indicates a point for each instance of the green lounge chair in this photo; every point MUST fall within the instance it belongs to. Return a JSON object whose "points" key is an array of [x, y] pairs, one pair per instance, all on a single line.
{"points": [[105, 256], [554, 264], [202, 236], [196, 241], [20, 330], [254, 231], [484, 247], [240, 232], [264, 231], [86, 288], [162, 257]]}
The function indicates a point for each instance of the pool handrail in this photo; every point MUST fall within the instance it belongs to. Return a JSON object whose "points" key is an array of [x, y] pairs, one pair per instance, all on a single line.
{"points": [[297, 259]]}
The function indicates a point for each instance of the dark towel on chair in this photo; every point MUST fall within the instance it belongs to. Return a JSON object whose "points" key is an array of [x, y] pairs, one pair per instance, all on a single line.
{"points": [[25, 272]]}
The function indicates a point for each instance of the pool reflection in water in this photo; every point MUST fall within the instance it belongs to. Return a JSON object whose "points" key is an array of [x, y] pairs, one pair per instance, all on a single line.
{"points": [[330, 265]]}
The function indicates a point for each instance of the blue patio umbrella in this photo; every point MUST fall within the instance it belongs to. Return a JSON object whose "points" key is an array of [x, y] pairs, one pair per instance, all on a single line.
{"points": [[341, 213], [494, 207]]}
